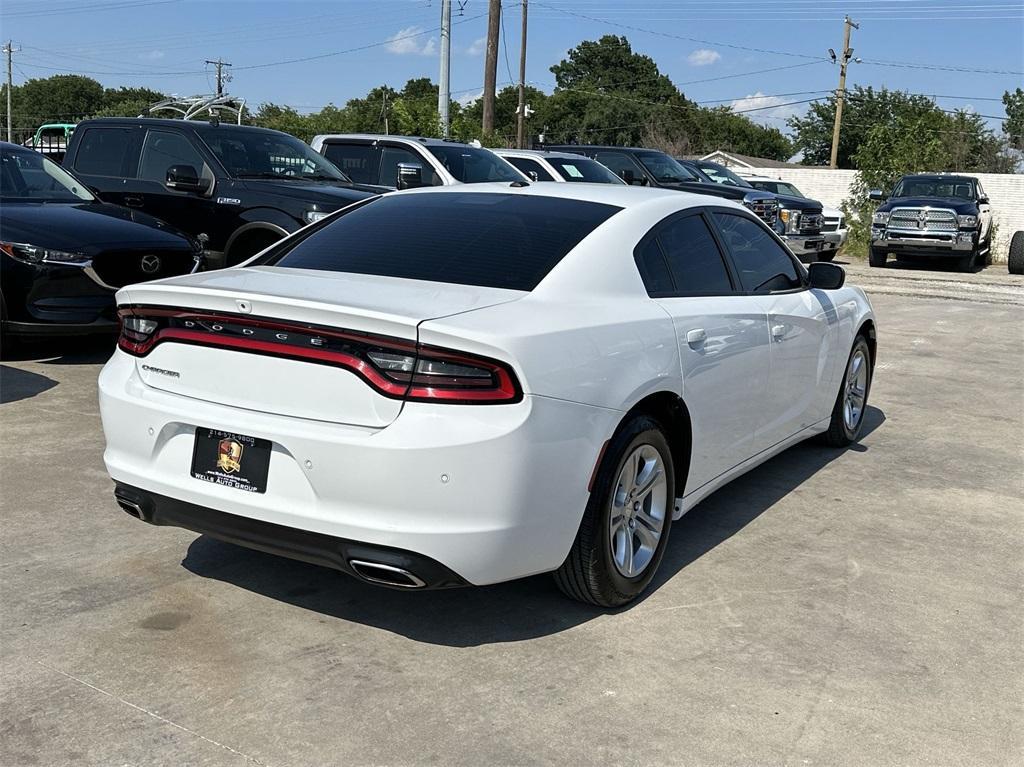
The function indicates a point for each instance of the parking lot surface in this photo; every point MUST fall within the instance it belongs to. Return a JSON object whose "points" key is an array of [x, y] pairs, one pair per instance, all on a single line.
{"points": [[832, 607]]}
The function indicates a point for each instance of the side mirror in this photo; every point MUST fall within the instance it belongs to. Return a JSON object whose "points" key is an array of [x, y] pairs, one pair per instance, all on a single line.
{"points": [[983, 201], [534, 176], [877, 195], [185, 178], [825, 275], [628, 176], [410, 175]]}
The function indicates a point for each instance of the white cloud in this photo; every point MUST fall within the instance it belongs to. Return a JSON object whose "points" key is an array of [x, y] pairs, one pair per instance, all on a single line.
{"points": [[768, 109], [468, 98], [153, 55], [703, 56], [478, 47], [408, 41]]}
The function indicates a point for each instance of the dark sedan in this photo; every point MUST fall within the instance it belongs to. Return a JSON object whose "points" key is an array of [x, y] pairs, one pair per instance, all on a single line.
{"points": [[63, 253]]}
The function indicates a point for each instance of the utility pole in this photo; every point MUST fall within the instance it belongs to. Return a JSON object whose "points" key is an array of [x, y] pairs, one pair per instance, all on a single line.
{"points": [[521, 124], [491, 64], [444, 91], [9, 50], [221, 78], [848, 24]]}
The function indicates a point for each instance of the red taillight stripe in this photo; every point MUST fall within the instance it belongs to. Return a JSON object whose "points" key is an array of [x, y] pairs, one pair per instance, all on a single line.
{"points": [[505, 390]]}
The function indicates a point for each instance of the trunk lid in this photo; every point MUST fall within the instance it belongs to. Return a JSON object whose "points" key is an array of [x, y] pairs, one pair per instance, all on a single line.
{"points": [[297, 303]]}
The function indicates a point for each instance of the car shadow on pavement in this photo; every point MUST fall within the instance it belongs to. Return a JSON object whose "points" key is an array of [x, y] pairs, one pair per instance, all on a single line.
{"points": [[515, 611], [17, 384]]}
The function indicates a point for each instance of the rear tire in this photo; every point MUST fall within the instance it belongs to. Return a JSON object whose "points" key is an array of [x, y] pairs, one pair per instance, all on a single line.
{"points": [[877, 257], [1015, 261], [852, 401], [625, 526]]}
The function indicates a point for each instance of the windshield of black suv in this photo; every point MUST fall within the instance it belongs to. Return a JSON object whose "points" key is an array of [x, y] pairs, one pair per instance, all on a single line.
{"points": [[778, 187], [262, 154], [471, 165], [664, 168], [925, 186], [583, 169], [722, 175], [26, 175]]}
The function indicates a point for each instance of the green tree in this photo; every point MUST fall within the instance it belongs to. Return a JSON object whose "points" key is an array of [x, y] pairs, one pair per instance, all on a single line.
{"points": [[506, 107], [1013, 126]]}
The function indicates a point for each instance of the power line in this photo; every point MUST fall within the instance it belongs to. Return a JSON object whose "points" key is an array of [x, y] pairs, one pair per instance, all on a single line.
{"points": [[117, 6]]}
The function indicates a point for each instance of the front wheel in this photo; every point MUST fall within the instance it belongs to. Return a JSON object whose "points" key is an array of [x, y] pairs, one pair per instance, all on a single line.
{"points": [[848, 412], [877, 257], [827, 255], [625, 526]]}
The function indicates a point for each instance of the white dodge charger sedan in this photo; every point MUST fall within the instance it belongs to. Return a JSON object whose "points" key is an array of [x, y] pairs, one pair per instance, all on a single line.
{"points": [[457, 386]]}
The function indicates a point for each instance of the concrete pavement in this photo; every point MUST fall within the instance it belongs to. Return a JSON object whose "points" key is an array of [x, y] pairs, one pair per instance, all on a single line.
{"points": [[858, 607]]}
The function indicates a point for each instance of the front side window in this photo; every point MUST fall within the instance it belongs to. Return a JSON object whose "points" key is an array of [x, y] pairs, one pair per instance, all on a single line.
{"points": [[764, 266], [262, 154], [620, 164], [490, 240], [393, 156], [531, 168], [106, 152], [31, 176], [664, 168], [722, 175], [161, 150], [357, 161], [471, 165]]}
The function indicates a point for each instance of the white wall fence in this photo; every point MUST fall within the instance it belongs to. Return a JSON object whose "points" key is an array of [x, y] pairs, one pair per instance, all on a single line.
{"points": [[832, 187]]}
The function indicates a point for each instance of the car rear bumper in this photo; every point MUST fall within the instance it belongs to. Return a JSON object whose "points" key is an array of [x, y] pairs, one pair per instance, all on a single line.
{"points": [[492, 493]]}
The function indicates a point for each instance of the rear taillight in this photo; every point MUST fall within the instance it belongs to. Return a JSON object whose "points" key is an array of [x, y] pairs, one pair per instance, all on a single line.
{"points": [[393, 366]]}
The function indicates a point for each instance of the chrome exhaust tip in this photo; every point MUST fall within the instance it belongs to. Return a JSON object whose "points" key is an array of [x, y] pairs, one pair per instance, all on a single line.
{"points": [[385, 575], [130, 507]]}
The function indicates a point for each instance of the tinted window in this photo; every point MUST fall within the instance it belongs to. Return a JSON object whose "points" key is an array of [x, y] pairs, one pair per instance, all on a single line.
{"points": [[654, 268], [491, 240], [694, 258], [252, 153], [472, 166], [358, 161], [105, 152], [390, 158], [531, 168], [664, 168], [31, 176], [584, 169], [161, 150], [722, 175], [617, 162], [763, 264]]}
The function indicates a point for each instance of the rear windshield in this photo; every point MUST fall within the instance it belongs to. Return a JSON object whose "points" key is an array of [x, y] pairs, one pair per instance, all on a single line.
{"points": [[491, 240]]}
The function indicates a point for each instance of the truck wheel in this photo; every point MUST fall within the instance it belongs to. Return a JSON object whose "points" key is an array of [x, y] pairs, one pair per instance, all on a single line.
{"points": [[625, 526], [877, 257], [827, 255], [1015, 263], [966, 263]]}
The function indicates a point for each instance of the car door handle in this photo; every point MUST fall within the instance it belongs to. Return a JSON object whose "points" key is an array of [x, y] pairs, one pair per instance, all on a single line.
{"points": [[696, 336], [778, 332], [133, 202]]}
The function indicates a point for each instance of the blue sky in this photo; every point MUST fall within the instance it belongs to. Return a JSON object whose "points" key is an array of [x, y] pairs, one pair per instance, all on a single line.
{"points": [[715, 50]]}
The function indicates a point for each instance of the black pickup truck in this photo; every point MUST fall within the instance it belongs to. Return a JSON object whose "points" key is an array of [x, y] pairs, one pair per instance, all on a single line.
{"points": [[236, 188], [932, 216]]}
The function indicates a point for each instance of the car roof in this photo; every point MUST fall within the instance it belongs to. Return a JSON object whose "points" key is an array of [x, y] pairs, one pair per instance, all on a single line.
{"points": [[164, 122], [424, 140], [537, 153], [619, 195], [940, 177], [570, 147]]}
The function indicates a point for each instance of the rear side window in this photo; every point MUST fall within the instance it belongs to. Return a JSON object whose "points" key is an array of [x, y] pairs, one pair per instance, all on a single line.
{"points": [[106, 152], [358, 161], [531, 168], [763, 264], [490, 240], [694, 258]]}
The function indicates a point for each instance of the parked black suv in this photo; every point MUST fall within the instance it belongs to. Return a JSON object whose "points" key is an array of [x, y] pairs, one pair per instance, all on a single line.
{"points": [[237, 188], [649, 167], [63, 253]]}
